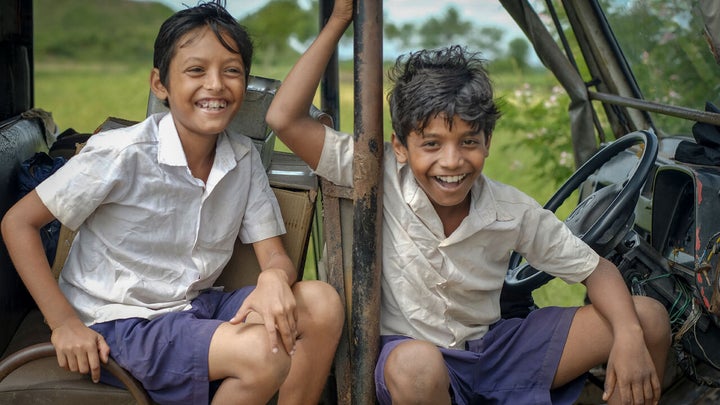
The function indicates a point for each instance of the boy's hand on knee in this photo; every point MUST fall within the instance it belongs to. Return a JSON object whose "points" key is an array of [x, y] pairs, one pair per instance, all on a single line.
{"points": [[274, 301], [79, 348], [631, 374]]}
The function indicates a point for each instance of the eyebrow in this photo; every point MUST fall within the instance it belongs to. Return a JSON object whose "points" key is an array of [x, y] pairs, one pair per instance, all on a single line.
{"points": [[237, 59], [428, 134]]}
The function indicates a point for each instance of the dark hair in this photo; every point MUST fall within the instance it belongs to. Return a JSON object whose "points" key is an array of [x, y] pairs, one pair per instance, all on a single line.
{"points": [[211, 14], [441, 82]]}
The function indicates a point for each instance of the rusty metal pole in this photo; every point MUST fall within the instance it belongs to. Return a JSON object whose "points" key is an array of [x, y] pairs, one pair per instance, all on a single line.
{"points": [[367, 206]]}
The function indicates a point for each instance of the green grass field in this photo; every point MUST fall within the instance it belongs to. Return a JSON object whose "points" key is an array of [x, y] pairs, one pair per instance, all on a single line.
{"points": [[81, 96]]}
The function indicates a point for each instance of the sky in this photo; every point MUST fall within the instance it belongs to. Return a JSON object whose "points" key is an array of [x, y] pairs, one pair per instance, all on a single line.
{"points": [[479, 12], [484, 12]]}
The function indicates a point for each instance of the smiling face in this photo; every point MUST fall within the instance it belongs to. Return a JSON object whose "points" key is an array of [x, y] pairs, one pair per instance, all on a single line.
{"points": [[445, 160], [205, 84]]}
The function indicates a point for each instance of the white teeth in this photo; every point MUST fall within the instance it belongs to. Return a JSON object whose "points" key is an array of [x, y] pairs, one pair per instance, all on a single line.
{"points": [[451, 179], [212, 104]]}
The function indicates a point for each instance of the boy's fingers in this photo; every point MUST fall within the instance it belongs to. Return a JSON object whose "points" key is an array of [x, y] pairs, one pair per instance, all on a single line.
{"points": [[626, 393], [287, 334], [93, 360], [241, 314], [71, 364], [272, 334], [649, 391], [103, 349], [657, 389], [84, 361], [638, 392], [609, 386], [61, 359]]}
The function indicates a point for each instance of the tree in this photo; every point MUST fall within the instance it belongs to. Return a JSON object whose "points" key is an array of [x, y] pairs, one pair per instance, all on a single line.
{"points": [[488, 40], [403, 34], [518, 52], [275, 24], [668, 57], [438, 32]]}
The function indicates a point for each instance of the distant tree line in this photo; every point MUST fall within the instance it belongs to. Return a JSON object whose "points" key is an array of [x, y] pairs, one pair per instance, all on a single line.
{"points": [[283, 29], [124, 31]]}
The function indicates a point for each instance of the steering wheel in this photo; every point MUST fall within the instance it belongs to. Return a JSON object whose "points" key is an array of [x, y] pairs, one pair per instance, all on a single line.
{"points": [[601, 219]]}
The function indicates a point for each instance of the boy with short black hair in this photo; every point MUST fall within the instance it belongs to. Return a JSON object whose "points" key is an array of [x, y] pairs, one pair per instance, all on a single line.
{"points": [[158, 207], [447, 236]]}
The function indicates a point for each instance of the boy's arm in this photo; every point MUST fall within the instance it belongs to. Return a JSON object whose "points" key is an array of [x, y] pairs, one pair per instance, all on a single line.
{"points": [[78, 347], [630, 367], [273, 298], [288, 114]]}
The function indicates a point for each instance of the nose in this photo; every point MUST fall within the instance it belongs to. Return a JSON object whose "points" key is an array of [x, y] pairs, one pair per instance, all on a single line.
{"points": [[451, 157], [213, 81]]}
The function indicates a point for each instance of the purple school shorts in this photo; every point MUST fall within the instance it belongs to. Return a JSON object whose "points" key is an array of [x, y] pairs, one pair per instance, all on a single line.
{"points": [[514, 363], [169, 354]]}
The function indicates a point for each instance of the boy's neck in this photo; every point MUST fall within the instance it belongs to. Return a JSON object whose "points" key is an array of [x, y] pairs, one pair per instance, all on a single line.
{"points": [[452, 217], [200, 155]]}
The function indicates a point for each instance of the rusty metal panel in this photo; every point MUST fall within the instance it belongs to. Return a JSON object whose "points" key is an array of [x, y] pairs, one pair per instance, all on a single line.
{"points": [[335, 267]]}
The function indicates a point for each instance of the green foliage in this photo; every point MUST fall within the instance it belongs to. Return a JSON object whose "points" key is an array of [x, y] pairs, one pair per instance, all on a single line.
{"points": [[489, 40], [669, 57], [273, 25], [81, 96], [452, 28], [542, 121], [84, 31], [518, 52], [448, 29]]}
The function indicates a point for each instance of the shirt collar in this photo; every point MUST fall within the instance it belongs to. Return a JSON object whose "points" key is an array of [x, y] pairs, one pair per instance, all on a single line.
{"points": [[170, 150], [415, 197], [484, 209], [486, 203]]}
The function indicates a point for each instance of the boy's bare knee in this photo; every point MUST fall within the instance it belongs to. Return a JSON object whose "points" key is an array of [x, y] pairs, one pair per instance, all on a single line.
{"points": [[416, 369], [247, 358], [267, 369], [262, 377], [654, 319], [319, 303]]}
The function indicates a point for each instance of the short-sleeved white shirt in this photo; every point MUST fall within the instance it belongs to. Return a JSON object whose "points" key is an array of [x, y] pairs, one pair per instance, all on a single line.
{"points": [[446, 290], [151, 236]]}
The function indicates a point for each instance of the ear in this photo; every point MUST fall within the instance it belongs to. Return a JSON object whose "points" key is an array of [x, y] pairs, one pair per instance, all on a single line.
{"points": [[399, 149], [488, 140], [156, 85]]}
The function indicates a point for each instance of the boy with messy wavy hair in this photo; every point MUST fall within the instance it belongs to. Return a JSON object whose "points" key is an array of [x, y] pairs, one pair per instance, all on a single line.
{"points": [[448, 231], [158, 207]]}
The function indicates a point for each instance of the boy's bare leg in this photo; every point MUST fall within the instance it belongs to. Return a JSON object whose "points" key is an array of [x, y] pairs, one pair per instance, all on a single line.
{"points": [[590, 340], [320, 322], [415, 373], [241, 355]]}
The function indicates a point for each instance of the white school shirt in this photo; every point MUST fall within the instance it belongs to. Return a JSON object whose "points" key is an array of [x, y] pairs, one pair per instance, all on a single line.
{"points": [[446, 290], [151, 236]]}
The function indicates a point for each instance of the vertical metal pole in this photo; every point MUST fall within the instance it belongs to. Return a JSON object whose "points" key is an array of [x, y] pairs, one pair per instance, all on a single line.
{"points": [[330, 104], [367, 207], [330, 83]]}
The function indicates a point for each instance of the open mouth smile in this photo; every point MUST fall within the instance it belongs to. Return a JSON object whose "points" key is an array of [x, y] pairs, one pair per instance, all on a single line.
{"points": [[215, 105], [451, 179]]}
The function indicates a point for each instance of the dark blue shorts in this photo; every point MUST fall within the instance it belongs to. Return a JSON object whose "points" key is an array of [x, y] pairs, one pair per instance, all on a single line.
{"points": [[514, 363], [169, 354]]}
